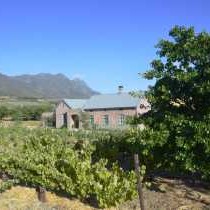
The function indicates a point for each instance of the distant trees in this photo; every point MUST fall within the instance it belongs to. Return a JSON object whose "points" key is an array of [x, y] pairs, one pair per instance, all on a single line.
{"points": [[32, 112], [85, 119], [3, 111]]}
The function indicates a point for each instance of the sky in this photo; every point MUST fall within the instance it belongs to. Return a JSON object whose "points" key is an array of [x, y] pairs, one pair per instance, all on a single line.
{"points": [[104, 42]]}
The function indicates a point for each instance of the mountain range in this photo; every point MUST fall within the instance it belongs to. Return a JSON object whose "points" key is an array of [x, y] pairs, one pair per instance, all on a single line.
{"points": [[44, 85]]}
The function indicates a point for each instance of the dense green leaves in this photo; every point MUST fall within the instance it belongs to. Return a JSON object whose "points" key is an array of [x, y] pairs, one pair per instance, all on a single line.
{"points": [[182, 72], [49, 158], [180, 101], [5, 185]]}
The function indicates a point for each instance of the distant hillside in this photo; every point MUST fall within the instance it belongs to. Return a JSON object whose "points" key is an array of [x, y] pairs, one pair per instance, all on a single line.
{"points": [[44, 86]]}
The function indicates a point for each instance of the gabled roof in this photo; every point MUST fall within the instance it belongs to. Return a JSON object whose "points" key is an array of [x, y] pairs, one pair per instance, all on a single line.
{"points": [[107, 101], [75, 103]]}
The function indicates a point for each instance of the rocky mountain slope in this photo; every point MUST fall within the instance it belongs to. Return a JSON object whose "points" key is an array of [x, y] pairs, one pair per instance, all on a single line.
{"points": [[44, 86]]}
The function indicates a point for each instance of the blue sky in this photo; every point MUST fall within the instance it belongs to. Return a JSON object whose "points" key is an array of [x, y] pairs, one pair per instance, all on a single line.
{"points": [[104, 42]]}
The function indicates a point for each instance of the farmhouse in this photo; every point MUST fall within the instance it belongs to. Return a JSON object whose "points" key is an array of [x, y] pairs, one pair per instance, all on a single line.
{"points": [[101, 111]]}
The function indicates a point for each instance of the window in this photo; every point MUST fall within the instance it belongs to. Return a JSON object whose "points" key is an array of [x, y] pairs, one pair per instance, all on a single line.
{"points": [[121, 119], [106, 120], [91, 120]]}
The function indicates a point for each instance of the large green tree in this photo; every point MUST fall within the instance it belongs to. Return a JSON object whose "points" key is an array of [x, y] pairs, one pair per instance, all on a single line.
{"points": [[179, 120], [183, 73]]}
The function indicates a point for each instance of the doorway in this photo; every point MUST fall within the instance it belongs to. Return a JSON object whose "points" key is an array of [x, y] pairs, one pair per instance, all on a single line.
{"points": [[65, 120], [75, 119]]}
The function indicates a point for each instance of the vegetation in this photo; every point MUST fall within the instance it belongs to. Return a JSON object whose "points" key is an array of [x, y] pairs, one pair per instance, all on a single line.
{"points": [[99, 164], [85, 119], [57, 161], [24, 112], [178, 131], [176, 137], [5, 185]]}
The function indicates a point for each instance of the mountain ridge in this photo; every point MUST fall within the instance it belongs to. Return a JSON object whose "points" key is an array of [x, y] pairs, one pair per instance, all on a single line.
{"points": [[44, 85]]}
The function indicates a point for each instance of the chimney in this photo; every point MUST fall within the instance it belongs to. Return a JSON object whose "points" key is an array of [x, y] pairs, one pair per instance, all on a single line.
{"points": [[120, 89]]}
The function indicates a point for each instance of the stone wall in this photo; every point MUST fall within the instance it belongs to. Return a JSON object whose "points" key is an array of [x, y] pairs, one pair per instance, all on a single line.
{"points": [[61, 109]]}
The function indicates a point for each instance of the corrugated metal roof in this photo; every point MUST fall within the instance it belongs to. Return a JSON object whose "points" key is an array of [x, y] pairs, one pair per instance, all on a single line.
{"points": [[75, 103], [119, 100]]}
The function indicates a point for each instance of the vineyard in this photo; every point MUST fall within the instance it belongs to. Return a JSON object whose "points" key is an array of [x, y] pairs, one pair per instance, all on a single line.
{"points": [[57, 161], [97, 165], [89, 165]]}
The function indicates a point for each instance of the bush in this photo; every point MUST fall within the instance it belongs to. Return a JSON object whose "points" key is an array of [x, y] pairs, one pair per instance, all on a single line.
{"points": [[44, 158], [3, 112], [31, 112]]}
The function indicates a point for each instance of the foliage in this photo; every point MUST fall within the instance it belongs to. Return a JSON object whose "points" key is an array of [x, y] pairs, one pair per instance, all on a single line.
{"points": [[48, 119], [85, 118], [182, 73], [3, 112], [176, 137], [30, 112], [178, 124], [49, 158], [138, 94], [6, 185]]}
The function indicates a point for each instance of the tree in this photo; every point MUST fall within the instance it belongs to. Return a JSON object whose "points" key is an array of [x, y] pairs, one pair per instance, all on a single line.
{"points": [[3, 112], [183, 73], [85, 118], [180, 101]]}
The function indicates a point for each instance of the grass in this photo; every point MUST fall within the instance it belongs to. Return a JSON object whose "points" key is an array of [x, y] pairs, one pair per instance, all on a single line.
{"points": [[31, 124], [12, 102], [23, 198], [177, 196], [24, 124]]}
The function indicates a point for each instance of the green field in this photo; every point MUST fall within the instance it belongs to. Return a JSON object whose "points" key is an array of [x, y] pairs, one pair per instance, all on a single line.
{"points": [[11, 102], [24, 109]]}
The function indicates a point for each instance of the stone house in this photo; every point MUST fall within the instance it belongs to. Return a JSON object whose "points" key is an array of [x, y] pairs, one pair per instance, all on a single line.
{"points": [[103, 111], [67, 113]]}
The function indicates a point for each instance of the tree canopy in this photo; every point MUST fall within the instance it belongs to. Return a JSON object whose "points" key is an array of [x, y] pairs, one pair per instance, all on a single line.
{"points": [[178, 125], [182, 71]]}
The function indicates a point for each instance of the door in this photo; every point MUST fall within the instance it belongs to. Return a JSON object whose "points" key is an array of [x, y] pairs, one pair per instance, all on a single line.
{"points": [[65, 120]]}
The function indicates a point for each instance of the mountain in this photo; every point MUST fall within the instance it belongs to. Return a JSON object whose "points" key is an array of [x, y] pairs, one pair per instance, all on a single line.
{"points": [[44, 86]]}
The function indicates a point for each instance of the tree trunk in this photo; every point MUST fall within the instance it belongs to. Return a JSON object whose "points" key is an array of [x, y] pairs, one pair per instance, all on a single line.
{"points": [[139, 184]]}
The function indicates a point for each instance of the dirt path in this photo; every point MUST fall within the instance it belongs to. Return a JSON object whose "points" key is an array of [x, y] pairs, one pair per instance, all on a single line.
{"points": [[169, 194], [166, 195]]}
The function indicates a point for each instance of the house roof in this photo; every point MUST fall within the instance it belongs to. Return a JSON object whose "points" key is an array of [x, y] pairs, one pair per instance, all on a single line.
{"points": [[118, 100], [106, 101], [75, 103]]}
